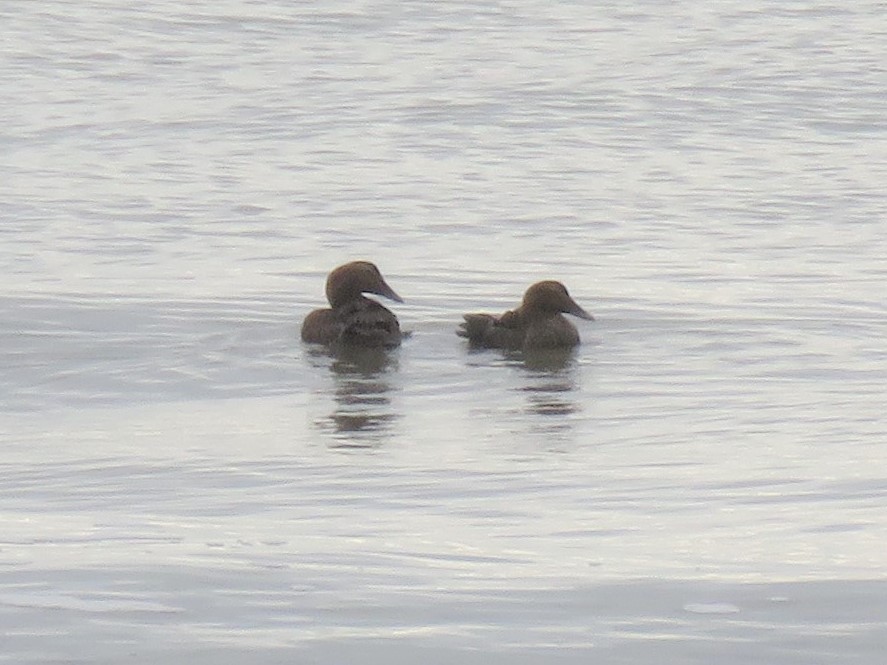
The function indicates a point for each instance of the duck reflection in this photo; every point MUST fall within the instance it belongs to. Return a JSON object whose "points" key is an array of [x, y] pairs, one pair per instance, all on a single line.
{"points": [[363, 414], [550, 382]]}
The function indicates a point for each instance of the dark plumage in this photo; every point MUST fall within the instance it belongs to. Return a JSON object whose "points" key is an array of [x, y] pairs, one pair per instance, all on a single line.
{"points": [[353, 319], [537, 324]]}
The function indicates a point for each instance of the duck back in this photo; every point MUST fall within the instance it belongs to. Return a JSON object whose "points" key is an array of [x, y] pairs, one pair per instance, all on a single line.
{"points": [[365, 322], [321, 327], [488, 331], [360, 322], [513, 330]]}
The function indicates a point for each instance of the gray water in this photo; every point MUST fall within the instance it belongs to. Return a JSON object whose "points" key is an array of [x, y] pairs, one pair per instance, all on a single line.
{"points": [[702, 481]]}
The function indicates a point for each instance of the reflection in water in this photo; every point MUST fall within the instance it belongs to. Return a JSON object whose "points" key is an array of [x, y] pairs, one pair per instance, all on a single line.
{"points": [[549, 360], [363, 415], [549, 382], [549, 399]]}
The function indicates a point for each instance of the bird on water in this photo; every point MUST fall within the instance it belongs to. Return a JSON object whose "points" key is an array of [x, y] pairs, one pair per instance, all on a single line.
{"points": [[537, 324], [352, 319]]}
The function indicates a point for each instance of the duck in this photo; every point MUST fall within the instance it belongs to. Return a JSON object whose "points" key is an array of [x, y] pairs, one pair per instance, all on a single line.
{"points": [[537, 324], [352, 319]]}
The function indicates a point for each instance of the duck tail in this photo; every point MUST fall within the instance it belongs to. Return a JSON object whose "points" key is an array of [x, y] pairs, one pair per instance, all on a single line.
{"points": [[475, 326]]}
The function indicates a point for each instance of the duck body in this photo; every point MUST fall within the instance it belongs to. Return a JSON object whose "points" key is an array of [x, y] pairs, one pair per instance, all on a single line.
{"points": [[537, 324], [353, 319]]}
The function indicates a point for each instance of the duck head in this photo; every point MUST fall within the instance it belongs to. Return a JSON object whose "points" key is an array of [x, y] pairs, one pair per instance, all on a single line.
{"points": [[552, 298], [350, 280]]}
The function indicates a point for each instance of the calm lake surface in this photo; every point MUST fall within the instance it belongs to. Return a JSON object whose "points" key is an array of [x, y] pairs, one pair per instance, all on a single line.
{"points": [[703, 480]]}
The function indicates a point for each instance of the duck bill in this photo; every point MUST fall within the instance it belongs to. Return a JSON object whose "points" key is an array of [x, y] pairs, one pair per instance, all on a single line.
{"points": [[576, 310], [387, 292]]}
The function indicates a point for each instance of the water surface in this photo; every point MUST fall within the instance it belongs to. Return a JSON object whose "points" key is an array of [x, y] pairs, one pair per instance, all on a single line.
{"points": [[701, 480]]}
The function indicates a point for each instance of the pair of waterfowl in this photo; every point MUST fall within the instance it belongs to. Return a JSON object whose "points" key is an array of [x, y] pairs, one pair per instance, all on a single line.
{"points": [[355, 320]]}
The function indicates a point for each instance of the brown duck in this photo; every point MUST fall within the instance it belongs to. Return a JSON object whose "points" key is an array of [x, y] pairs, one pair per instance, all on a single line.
{"points": [[537, 324], [353, 319]]}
